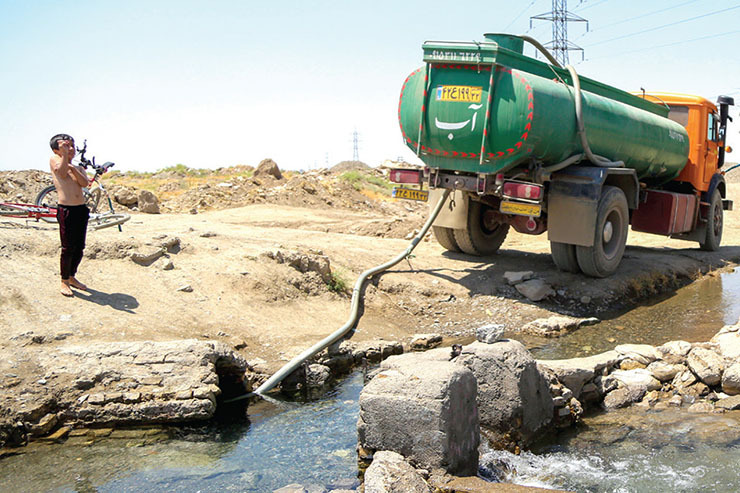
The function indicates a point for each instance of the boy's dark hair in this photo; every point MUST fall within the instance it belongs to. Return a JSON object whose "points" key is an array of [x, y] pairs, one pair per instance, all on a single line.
{"points": [[54, 142]]}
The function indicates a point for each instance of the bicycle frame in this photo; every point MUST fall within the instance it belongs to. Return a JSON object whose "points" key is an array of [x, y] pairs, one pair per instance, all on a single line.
{"points": [[36, 212], [30, 211]]}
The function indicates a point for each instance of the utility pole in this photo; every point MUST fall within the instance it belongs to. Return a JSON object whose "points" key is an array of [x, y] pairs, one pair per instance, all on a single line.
{"points": [[560, 17], [356, 146]]}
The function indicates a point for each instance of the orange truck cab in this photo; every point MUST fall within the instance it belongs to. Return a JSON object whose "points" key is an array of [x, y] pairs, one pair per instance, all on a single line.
{"points": [[702, 122], [692, 203]]}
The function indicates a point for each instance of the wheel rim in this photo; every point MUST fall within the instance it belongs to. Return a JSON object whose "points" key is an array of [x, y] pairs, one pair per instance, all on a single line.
{"points": [[717, 220], [488, 222], [611, 234]]}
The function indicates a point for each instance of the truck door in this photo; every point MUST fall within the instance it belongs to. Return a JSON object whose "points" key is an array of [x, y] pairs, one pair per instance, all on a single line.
{"points": [[711, 151]]}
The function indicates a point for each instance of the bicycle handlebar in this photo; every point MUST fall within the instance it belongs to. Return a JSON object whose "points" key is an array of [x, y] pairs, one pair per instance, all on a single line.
{"points": [[85, 163]]}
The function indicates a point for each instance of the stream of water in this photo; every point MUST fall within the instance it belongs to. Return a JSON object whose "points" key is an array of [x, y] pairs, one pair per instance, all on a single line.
{"points": [[313, 443]]}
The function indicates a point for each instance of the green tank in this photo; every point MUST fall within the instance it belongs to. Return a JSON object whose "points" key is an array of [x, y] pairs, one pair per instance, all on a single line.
{"points": [[484, 107]]}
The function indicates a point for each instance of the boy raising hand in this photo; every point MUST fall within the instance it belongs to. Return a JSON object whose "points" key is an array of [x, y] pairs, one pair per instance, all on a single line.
{"points": [[72, 213]]}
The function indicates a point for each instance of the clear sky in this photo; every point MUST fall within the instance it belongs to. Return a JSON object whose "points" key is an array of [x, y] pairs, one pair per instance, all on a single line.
{"points": [[152, 84]]}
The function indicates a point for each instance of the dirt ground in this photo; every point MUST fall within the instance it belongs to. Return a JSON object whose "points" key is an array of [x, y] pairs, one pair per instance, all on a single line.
{"points": [[225, 282]]}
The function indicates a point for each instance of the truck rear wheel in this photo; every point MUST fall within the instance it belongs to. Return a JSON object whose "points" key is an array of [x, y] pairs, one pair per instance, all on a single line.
{"points": [[482, 236], [714, 224], [446, 238], [564, 256], [610, 235]]}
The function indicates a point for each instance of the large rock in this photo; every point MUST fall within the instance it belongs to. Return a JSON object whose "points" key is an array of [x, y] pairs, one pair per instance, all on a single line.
{"points": [[729, 403], [632, 385], [422, 342], [640, 380], [684, 380], [643, 353], [731, 379], [490, 333], [514, 278], [706, 364], [513, 396], [622, 397], [390, 473], [575, 372], [268, 167], [126, 196], [728, 339], [535, 289], [675, 348], [556, 325], [664, 371], [148, 202], [424, 410]]}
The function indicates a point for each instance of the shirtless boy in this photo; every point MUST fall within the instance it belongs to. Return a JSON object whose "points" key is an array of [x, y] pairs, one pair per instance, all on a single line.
{"points": [[72, 213]]}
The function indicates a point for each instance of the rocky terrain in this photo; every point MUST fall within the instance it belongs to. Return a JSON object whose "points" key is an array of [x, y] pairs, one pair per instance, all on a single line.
{"points": [[264, 261]]}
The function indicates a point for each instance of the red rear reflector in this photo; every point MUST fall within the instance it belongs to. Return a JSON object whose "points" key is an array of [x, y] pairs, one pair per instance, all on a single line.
{"points": [[522, 190], [405, 176]]}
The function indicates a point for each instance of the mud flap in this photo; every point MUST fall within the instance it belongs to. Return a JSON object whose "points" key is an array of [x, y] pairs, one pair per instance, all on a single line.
{"points": [[454, 213], [573, 200]]}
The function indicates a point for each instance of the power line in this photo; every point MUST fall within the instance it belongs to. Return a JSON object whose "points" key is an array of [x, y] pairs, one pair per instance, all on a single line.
{"points": [[668, 44], [635, 18], [579, 8], [648, 14], [519, 15], [666, 25]]}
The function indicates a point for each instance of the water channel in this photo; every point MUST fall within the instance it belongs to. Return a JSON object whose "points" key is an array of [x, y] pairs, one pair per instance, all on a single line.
{"points": [[313, 442]]}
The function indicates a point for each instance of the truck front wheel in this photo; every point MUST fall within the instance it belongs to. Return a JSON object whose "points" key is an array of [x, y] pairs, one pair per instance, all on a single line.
{"points": [[610, 235], [483, 235], [714, 224]]}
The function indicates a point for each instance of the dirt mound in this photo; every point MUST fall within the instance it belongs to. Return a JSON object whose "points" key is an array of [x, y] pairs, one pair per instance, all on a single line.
{"points": [[350, 166], [23, 186]]}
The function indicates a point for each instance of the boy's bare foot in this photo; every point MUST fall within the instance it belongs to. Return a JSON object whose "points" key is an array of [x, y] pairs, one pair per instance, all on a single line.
{"points": [[77, 284], [65, 289]]}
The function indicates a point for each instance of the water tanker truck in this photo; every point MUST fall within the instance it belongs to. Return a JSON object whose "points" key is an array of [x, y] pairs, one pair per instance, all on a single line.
{"points": [[526, 144]]}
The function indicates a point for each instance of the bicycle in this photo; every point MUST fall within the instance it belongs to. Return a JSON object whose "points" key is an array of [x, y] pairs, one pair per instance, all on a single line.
{"points": [[48, 196], [47, 213]]}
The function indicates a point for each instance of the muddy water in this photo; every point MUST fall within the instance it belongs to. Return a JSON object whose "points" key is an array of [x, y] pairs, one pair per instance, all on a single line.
{"points": [[313, 443], [693, 313]]}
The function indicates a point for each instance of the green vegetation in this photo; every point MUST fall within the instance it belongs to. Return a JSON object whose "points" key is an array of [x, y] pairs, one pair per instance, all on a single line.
{"points": [[183, 170], [363, 181], [338, 284]]}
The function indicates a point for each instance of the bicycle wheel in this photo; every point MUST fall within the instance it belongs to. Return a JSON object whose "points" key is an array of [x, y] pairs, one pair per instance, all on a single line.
{"points": [[10, 210], [92, 198], [48, 197], [107, 220]]}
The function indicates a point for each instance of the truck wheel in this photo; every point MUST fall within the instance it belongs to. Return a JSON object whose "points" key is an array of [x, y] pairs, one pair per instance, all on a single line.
{"points": [[610, 236], [482, 236], [564, 256], [714, 224], [446, 238]]}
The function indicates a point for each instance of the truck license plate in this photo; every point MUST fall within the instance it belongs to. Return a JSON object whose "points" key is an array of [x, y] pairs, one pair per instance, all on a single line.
{"points": [[461, 94], [519, 209], [410, 194]]}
